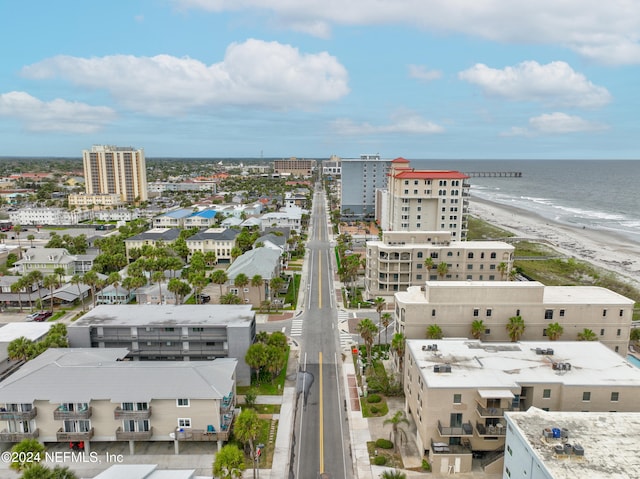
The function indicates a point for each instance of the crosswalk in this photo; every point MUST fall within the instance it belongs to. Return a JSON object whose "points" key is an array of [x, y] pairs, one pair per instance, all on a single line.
{"points": [[346, 338], [296, 327]]}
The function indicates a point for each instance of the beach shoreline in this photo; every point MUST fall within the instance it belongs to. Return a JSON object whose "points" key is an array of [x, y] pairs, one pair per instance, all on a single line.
{"points": [[603, 249]]}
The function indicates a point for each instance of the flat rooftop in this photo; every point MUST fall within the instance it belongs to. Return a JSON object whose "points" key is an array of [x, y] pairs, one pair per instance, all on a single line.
{"points": [[610, 442], [477, 364], [167, 315], [32, 331]]}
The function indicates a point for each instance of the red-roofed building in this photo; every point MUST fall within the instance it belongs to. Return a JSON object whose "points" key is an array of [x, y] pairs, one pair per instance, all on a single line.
{"points": [[424, 200]]}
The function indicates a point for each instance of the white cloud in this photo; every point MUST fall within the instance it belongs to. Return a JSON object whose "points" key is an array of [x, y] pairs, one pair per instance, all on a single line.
{"points": [[256, 73], [604, 31], [403, 123], [555, 83], [421, 72], [556, 123], [56, 115]]}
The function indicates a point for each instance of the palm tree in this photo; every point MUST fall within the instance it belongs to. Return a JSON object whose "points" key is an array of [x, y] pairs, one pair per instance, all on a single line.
{"points": [[247, 429], [554, 331], [210, 258], [434, 332], [443, 269], [396, 420], [17, 288], [241, 281], [60, 272], [36, 277], [31, 238], [230, 298], [17, 229], [275, 284], [587, 335], [367, 330], [385, 319], [219, 277], [502, 267], [199, 281], [379, 303], [428, 263], [515, 328], [158, 277], [20, 349], [258, 282], [90, 278], [477, 328], [50, 282]]}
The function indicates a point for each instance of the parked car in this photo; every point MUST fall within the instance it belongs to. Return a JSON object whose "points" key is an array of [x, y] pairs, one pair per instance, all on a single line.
{"points": [[43, 316], [32, 316], [203, 298]]}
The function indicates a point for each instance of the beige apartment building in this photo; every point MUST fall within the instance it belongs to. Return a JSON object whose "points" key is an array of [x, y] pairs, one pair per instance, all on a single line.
{"points": [[100, 199], [219, 240], [458, 391], [425, 200], [409, 258], [116, 170], [454, 305], [295, 167], [89, 395]]}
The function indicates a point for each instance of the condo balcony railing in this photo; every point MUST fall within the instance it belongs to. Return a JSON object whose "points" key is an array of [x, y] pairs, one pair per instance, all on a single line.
{"points": [[466, 429], [499, 429], [444, 448], [201, 435], [18, 415], [133, 435], [62, 435], [120, 413], [6, 436], [62, 414], [492, 411]]}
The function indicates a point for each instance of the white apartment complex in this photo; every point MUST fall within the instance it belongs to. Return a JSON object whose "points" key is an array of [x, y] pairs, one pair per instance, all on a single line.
{"points": [[89, 395], [409, 258], [566, 445], [48, 216], [454, 305], [425, 200], [116, 170], [458, 392], [99, 199]]}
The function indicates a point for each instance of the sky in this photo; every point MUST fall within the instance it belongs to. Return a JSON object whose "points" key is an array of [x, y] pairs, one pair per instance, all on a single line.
{"points": [[421, 79]]}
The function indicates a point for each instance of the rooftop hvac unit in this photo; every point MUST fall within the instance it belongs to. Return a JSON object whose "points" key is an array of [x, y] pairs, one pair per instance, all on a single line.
{"points": [[558, 449], [568, 449], [549, 352], [424, 348], [578, 450], [564, 433], [547, 433], [555, 365], [538, 350], [431, 347]]}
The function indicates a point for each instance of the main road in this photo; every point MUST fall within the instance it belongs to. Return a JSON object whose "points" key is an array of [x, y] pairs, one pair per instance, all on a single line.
{"points": [[320, 446]]}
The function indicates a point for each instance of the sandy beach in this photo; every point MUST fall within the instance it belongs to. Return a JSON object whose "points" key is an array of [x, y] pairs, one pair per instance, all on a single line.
{"points": [[607, 250]]}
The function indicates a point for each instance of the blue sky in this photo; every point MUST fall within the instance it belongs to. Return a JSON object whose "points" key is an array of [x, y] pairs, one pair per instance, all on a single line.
{"points": [[455, 79]]}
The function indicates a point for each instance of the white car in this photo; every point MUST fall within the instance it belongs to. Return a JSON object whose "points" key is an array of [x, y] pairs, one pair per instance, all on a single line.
{"points": [[32, 316]]}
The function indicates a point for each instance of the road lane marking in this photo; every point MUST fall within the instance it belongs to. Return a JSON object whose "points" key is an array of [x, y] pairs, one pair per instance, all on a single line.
{"points": [[321, 417], [319, 281]]}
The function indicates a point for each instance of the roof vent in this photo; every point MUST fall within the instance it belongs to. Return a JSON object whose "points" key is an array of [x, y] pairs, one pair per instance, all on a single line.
{"points": [[432, 347], [442, 368], [578, 450]]}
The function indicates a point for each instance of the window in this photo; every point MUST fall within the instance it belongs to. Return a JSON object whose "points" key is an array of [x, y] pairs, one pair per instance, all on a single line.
{"points": [[621, 312], [197, 330], [586, 396], [615, 396], [488, 313], [546, 393], [509, 450], [604, 313], [562, 313], [602, 332], [507, 471], [476, 312], [184, 422], [493, 255], [433, 312], [618, 332], [182, 402], [457, 399], [168, 330], [517, 312], [487, 331], [548, 314], [470, 255]]}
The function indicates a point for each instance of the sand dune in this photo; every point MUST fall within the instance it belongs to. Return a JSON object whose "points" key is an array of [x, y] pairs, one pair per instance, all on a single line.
{"points": [[600, 248]]}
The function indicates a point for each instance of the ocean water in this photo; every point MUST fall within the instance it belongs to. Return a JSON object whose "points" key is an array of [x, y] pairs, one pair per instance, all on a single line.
{"points": [[597, 194]]}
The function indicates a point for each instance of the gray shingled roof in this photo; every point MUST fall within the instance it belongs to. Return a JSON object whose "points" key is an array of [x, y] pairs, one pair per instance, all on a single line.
{"points": [[262, 261], [85, 374]]}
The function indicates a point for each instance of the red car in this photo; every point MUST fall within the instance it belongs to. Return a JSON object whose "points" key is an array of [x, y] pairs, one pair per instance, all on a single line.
{"points": [[43, 316]]}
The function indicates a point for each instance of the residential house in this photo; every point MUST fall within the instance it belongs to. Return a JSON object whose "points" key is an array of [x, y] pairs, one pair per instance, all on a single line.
{"points": [[151, 237], [27, 295], [285, 218], [49, 216], [265, 262], [46, 260], [115, 295], [201, 219], [172, 219], [219, 240], [9, 332], [155, 294]]}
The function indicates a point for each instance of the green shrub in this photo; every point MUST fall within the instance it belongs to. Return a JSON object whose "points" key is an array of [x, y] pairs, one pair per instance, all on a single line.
{"points": [[374, 410], [374, 398], [380, 460], [384, 444], [425, 465]]}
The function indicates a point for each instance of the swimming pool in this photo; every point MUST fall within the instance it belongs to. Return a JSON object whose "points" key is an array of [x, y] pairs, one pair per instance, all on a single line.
{"points": [[633, 360]]}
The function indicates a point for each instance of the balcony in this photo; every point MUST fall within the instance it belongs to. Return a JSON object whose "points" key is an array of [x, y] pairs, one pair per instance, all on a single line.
{"points": [[466, 429], [133, 435], [18, 415], [62, 414], [61, 435], [457, 449], [6, 436], [120, 413], [200, 435], [491, 411], [499, 429]]}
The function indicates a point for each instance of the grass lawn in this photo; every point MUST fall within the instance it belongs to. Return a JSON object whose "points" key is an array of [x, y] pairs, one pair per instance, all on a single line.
{"points": [[268, 387], [393, 460]]}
